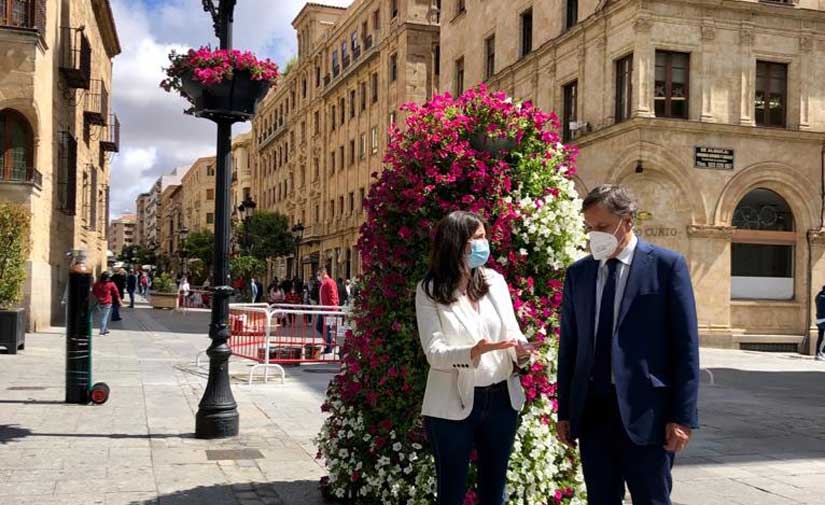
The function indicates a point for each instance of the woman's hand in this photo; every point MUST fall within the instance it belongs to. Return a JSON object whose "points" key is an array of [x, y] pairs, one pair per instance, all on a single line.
{"points": [[484, 346], [524, 350]]}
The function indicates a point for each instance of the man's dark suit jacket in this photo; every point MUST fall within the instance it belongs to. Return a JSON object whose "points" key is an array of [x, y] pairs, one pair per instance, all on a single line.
{"points": [[655, 354]]}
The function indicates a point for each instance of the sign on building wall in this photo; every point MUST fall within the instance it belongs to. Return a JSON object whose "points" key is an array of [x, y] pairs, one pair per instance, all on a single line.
{"points": [[719, 158]]}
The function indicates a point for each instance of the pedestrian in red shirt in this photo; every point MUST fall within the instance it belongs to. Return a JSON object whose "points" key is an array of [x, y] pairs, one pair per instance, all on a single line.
{"points": [[106, 293], [328, 297]]}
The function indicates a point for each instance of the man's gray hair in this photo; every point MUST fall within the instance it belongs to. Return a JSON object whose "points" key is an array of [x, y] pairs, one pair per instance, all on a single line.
{"points": [[616, 199]]}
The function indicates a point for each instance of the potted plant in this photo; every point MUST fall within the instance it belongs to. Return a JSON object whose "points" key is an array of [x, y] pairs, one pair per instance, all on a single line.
{"points": [[220, 82], [14, 234], [164, 293]]}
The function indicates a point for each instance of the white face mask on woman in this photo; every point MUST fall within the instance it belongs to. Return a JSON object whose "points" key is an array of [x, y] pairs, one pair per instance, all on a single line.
{"points": [[603, 244]]}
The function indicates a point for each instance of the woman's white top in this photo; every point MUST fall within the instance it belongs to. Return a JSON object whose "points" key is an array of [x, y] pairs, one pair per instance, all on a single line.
{"points": [[495, 366], [448, 334]]}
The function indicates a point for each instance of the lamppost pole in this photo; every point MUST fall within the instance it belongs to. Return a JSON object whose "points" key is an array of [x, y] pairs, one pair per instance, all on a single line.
{"points": [[298, 234], [217, 415]]}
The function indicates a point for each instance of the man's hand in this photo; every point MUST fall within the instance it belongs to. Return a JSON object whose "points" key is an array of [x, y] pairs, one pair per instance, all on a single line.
{"points": [[676, 437], [563, 434]]}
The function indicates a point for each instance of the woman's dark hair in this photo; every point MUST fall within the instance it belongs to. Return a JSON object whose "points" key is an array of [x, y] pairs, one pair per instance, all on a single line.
{"points": [[104, 276], [447, 259]]}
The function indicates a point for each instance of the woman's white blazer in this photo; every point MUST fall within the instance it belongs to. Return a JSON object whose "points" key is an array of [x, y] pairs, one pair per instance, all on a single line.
{"points": [[448, 333]]}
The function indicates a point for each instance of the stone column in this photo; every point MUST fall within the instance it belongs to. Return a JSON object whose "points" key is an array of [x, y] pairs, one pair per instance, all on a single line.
{"points": [[709, 261], [806, 78], [644, 66], [748, 75], [816, 239], [708, 55]]}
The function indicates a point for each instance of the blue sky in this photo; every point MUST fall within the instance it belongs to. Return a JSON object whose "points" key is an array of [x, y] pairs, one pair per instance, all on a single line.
{"points": [[156, 136]]}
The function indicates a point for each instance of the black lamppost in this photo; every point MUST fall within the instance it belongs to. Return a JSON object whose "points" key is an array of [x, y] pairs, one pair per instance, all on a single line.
{"points": [[246, 209], [217, 415], [183, 233], [298, 233]]}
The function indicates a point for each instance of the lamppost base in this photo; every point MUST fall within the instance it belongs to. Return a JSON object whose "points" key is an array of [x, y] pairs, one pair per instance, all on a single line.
{"points": [[217, 424]]}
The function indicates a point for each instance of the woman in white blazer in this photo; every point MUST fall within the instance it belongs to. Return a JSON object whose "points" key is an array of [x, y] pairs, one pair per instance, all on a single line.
{"points": [[473, 343]]}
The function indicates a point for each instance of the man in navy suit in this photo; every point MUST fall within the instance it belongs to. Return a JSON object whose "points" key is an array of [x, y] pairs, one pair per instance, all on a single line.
{"points": [[628, 371]]}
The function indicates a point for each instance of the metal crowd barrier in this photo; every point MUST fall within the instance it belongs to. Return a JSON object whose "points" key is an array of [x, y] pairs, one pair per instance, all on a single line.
{"points": [[195, 299], [281, 334]]}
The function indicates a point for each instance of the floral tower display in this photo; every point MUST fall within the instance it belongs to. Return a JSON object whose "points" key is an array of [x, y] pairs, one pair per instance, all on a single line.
{"points": [[501, 159]]}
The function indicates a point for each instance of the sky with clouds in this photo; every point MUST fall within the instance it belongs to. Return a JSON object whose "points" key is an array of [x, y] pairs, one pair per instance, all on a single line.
{"points": [[156, 136]]}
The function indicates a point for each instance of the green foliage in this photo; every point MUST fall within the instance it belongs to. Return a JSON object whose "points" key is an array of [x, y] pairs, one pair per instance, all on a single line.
{"points": [[164, 283], [137, 255], [246, 266], [269, 235], [201, 245], [289, 65], [14, 235]]}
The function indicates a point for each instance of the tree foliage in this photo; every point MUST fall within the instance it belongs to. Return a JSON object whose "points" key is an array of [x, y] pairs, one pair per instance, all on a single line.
{"points": [[14, 235], [136, 254], [201, 245], [269, 235], [246, 266]]}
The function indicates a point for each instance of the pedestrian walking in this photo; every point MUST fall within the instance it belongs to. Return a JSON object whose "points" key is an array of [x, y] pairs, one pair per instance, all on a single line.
{"points": [[471, 339], [342, 291], [131, 286], [107, 296], [328, 293], [631, 402], [119, 278], [144, 284], [183, 291], [820, 325], [255, 292]]}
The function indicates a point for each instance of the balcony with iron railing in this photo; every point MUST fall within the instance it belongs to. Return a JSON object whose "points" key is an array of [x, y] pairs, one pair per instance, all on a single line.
{"points": [[25, 15], [75, 57], [21, 175], [335, 71], [346, 60], [368, 42], [96, 103], [356, 53], [110, 141]]}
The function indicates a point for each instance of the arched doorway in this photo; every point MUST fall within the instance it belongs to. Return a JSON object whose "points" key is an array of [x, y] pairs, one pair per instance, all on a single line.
{"points": [[763, 248]]}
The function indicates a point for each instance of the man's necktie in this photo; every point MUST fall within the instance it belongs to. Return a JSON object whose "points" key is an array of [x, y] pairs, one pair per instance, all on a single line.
{"points": [[604, 333]]}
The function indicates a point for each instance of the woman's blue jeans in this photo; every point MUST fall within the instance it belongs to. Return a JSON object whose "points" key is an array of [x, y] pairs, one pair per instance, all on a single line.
{"points": [[105, 313], [490, 429]]}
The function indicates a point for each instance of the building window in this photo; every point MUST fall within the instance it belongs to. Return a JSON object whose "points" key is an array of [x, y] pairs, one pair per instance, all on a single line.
{"points": [[374, 140], [317, 76], [352, 152], [303, 131], [771, 93], [526, 32], [317, 214], [332, 118], [352, 104], [376, 19], [437, 59], [351, 202], [332, 162], [210, 195], [393, 67], [363, 87], [316, 169], [570, 112], [490, 56], [361, 198], [460, 7], [332, 209], [672, 79], [210, 171], [340, 206], [362, 146], [16, 145], [210, 218], [394, 8], [624, 73], [341, 157], [374, 86], [343, 109], [572, 13], [316, 117], [459, 76], [763, 248]]}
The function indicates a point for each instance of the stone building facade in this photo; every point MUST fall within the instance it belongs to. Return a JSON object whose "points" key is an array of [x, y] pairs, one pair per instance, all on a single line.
{"points": [[121, 233], [141, 203], [171, 223], [712, 112], [198, 199], [241, 171], [56, 136], [320, 134]]}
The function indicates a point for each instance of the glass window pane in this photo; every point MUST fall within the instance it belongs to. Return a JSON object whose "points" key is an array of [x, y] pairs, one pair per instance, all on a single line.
{"points": [[678, 108], [760, 271], [763, 209], [679, 75]]}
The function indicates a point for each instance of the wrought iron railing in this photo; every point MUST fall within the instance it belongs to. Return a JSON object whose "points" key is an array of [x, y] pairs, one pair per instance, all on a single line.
{"points": [[75, 57], [110, 142], [96, 107]]}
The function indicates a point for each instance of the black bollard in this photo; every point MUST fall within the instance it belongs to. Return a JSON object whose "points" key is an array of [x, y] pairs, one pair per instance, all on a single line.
{"points": [[78, 333]]}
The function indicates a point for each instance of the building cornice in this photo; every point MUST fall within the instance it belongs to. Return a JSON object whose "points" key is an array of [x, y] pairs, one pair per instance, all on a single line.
{"points": [[106, 25]]}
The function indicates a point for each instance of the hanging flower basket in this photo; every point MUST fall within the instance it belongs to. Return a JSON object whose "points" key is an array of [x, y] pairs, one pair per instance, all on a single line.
{"points": [[226, 83]]}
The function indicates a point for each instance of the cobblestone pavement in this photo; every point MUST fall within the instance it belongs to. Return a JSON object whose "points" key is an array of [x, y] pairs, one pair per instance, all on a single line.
{"points": [[762, 439]]}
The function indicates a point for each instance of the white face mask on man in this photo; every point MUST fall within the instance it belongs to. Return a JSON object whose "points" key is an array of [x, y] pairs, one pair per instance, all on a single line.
{"points": [[603, 244]]}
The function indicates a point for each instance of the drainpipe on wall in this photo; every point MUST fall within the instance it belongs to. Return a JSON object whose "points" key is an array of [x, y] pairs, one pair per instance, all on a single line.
{"points": [[809, 302]]}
